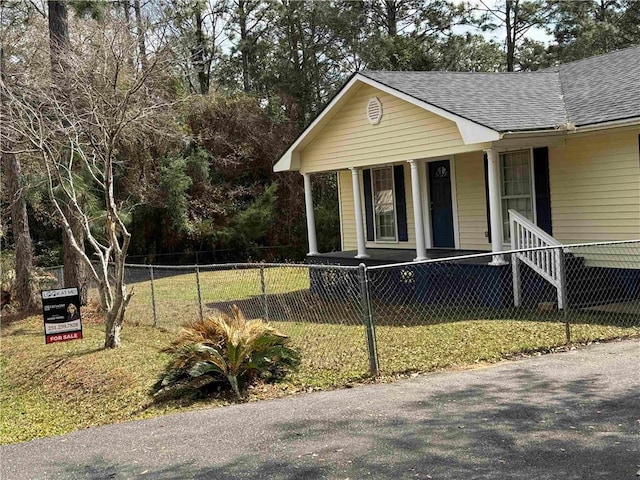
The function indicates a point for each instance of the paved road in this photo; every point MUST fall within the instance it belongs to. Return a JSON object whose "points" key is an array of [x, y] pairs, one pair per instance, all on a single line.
{"points": [[573, 415]]}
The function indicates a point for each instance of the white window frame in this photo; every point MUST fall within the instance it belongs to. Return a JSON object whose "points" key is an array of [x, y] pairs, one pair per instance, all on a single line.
{"points": [[506, 232], [376, 238]]}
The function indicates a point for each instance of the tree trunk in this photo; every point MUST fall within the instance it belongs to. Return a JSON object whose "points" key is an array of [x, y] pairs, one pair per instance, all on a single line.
{"points": [[74, 275], [112, 330], [25, 286], [142, 49], [26, 291], [115, 314], [199, 53], [58, 37], [126, 9], [392, 18], [74, 269], [244, 48], [510, 24]]}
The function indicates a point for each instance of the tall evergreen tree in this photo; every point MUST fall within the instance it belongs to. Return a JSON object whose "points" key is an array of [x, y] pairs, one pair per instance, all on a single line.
{"points": [[516, 18], [25, 287], [591, 27], [59, 44]]}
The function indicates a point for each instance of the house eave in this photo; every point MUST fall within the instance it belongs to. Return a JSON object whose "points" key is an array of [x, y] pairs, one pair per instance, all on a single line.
{"points": [[471, 132], [624, 122], [569, 128]]}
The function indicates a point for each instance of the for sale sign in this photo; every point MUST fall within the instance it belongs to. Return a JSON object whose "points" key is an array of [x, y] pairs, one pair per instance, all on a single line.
{"points": [[61, 311]]}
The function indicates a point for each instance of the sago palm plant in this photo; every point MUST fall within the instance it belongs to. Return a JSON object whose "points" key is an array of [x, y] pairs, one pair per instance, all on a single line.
{"points": [[227, 349]]}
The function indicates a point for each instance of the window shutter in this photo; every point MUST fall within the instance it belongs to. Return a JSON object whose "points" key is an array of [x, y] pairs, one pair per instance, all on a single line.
{"points": [[401, 203], [486, 196], [368, 203], [543, 192]]}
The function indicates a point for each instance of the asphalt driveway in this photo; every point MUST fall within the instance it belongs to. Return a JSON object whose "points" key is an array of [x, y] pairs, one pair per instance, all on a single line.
{"points": [[573, 415]]}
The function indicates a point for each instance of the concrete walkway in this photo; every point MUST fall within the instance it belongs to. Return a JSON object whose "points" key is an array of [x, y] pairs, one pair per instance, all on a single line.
{"points": [[573, 415]]}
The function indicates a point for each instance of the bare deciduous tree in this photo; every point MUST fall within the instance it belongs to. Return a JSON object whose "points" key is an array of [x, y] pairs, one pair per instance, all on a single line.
{"points": [[77, 142]]}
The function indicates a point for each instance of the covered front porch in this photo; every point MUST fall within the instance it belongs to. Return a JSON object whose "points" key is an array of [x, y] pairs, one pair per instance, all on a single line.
{"points": [[421, 209]]}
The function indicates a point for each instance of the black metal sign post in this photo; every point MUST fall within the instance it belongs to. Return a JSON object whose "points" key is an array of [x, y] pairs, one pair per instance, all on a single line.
{"points": [[61, 312]]}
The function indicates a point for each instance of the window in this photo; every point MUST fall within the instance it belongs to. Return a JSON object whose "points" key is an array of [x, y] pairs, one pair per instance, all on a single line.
{"points": [[383, 204], [516, 188]]}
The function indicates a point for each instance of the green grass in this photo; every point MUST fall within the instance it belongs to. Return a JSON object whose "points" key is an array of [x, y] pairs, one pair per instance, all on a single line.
{"points": [[53, 389], [176, 296]]}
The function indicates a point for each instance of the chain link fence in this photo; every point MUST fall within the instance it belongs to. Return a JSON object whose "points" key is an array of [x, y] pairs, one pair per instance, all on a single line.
{"points": [[349, 321], [453, 307], [284, 253]]}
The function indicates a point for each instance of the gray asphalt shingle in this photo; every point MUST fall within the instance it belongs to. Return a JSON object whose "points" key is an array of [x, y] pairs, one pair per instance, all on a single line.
{"points": [[593, 90], [603, 88]]}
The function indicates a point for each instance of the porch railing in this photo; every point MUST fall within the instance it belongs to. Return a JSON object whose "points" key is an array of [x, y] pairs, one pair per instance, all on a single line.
{"points": [[548, 263]]}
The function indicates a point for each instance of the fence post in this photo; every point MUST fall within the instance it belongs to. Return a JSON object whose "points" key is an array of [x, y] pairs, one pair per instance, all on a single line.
{"points": [[199, 292], [367, 318], [263, 287], [517, 285], [153, 297], [563, 301]]}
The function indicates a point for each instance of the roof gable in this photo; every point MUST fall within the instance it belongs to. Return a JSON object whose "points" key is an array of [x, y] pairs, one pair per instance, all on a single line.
{"points": [[470, 131]]}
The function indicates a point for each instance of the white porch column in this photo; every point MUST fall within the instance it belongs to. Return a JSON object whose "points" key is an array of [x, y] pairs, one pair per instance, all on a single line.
{"points": [[311, 220], [418, 219], [357, 206], [493, 172]]}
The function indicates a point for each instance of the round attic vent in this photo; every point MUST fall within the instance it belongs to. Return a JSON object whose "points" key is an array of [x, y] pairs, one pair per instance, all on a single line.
{"points": [[374, 111]]}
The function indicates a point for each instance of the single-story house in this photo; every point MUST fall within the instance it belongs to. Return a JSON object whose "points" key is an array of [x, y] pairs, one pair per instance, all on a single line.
{"points": [[429, 160], [433, 164]]}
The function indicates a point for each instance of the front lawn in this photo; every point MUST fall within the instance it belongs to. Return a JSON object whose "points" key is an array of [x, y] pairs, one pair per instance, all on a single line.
{"points": [[54, 389]]}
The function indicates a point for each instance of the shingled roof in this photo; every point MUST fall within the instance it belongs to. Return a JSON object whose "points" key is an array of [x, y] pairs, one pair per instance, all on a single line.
{"points": [[590, 91]]}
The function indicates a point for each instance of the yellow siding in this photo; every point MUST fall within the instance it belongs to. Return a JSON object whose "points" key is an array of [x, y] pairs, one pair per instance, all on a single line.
{"points": [[594, 181], [472, 219], [611, 256], [472, 205], [405, 132], [595, 188], [347, 215], [595, 196]]}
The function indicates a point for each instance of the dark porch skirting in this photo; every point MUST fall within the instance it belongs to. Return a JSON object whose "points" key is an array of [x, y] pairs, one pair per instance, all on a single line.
{"points": [[468, 282]]}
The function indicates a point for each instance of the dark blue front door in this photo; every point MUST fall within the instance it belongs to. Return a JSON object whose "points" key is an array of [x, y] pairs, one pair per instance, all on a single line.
{"points": [[441, 210]]}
